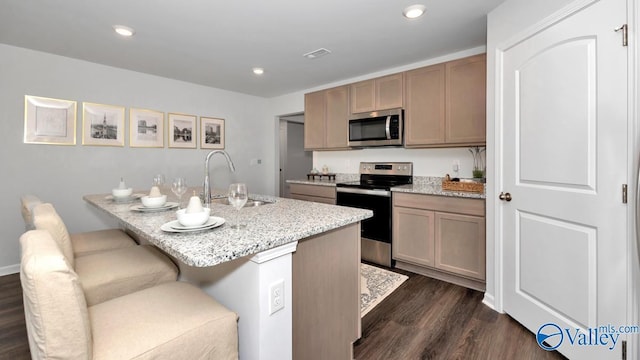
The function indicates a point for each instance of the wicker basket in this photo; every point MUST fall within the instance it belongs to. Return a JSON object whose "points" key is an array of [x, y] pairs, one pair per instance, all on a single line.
{"points": [[476, 187]]}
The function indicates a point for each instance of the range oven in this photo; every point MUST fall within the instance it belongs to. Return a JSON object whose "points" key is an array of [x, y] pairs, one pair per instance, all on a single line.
{"points": [[373, 192]]}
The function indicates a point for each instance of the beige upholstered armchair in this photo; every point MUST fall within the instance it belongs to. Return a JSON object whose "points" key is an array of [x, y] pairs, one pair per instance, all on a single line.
{"points": [[84, 243], [174, 320]]}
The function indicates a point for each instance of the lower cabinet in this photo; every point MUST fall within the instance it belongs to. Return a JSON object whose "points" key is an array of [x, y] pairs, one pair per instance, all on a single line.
{"points": [[315, 193], [442, 237]]}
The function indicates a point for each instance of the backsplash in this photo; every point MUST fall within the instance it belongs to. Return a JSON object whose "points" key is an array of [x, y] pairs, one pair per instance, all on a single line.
{"points": [[426, 162]]}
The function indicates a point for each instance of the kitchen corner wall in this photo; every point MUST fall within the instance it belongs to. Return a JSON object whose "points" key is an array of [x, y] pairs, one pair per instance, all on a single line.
{"points": [[63, 174]]}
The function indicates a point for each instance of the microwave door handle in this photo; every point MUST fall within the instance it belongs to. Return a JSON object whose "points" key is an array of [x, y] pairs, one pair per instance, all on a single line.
{"points": [[388, 127]]}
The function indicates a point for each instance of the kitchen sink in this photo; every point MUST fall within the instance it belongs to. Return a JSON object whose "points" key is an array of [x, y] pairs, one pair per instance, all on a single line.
{"points": [[250, 202]]}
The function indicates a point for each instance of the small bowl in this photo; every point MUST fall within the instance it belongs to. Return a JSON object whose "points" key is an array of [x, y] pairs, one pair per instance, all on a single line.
{"points": [[193, 219], [153, 202], [121, 193]]}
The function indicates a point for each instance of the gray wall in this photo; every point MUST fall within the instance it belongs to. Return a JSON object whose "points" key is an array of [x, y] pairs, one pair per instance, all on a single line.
{"points": [[63, 174], [294, 161]]}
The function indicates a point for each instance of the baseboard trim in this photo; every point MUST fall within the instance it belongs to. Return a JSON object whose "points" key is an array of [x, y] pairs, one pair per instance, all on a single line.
{"points": [[489, 301], [454, 279], [8, 270]]}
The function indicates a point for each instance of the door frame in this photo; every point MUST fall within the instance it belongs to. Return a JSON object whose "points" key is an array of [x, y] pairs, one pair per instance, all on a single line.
{"points": [[495, 121]]}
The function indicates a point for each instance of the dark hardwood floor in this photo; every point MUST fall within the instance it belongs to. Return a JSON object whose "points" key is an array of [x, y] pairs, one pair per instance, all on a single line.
{"points": [[431, 319], [423, 319], [13, 332]]}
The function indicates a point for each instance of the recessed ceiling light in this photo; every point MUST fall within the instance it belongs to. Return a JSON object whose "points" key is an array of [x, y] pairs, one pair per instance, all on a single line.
{"points": [[258, 71], [413, 11], [124, 30]]}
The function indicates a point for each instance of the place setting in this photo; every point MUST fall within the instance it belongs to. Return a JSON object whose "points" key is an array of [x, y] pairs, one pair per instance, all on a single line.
{"points": [[155, 201], [194, 217], [123, 194]]}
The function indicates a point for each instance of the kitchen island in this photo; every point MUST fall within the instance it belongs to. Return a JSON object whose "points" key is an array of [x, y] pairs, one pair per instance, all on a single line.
{"points": [[310, 251]]}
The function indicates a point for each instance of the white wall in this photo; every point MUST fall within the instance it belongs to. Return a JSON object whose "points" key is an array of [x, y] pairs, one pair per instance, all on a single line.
{"points": [[503, 23], [63, 174]]}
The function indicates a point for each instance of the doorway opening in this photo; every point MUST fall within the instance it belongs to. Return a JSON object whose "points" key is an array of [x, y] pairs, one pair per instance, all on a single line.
{"points": [[295, 162]]}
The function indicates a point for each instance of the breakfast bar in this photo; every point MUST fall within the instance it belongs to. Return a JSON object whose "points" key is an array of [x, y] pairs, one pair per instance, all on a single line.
{"points": [[292, 275]]}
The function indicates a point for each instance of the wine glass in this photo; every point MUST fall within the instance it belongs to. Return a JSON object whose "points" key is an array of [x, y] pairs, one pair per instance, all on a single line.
{"points": [[179, 187], [237, 198], [158, 181]]}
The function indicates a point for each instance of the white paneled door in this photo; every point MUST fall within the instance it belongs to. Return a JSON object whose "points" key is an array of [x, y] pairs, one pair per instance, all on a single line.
{"points": [[564, 150]]}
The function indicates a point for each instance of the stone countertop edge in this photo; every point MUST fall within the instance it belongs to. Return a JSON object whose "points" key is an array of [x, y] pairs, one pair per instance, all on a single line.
{"points": [[436, 190], [269, 226], [425, 185]]}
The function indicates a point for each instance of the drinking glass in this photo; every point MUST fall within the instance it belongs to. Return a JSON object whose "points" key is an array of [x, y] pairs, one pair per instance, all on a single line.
{"points": [[238, 196], [179, 187], [158, 180]]}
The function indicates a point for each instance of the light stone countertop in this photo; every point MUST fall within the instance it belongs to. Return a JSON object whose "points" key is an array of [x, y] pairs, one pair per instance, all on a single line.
{"points": [[436, 189], [269, 226], [425, 185]]}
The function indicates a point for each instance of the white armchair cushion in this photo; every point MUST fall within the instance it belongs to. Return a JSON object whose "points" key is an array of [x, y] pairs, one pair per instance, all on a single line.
{"points": [[90, 242], [172, 321], [109, 274]]}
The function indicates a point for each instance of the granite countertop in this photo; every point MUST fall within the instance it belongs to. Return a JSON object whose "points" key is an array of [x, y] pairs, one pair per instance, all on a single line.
{"points": [[426, 185], [269, 226], [436, 189]]}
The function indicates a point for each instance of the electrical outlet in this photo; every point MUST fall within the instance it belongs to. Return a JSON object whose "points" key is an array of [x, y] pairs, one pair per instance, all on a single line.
{"points": [[276, 297], [455, 166]]}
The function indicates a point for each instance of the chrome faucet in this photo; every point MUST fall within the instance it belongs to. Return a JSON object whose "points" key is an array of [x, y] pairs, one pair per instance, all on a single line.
{"points": [[206, 188]]}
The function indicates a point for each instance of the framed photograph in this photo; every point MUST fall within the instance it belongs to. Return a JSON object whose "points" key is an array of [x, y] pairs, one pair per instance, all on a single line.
{"points": [[49, 121], [102, 125], [211, 133], [182, 131], [146, 128]]}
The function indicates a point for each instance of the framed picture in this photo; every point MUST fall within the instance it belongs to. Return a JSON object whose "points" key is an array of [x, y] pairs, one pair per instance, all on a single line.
{"points": [[146, 128], [49, 121], [211, 133], [102, 125], [182, 131]]}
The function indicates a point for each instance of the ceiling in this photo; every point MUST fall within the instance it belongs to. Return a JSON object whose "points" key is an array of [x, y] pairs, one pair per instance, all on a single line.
{"points": [[217, 43]]}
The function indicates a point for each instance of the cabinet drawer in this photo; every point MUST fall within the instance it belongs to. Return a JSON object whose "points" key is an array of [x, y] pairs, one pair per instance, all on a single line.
{"points": [[313, 190], [440, 203]]}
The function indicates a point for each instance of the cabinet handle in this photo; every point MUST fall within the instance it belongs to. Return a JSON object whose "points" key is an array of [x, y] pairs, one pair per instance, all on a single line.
{"points": [[504, 196]]}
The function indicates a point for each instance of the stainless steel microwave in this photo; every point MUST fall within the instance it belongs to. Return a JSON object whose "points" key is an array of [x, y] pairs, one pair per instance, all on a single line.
{"points": [[378, 128]]}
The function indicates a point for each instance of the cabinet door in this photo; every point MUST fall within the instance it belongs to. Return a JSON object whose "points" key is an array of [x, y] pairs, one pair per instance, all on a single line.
{"points": [[337, 119], [466, 100], [460, 244], [413, 231], [424, 114], [363, 96], [314, 120], [389, 92]]}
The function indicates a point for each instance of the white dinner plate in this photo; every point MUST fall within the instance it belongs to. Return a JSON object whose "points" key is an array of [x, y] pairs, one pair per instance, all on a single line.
{"points": [[128, 199], [174, 226], [167, 206]]}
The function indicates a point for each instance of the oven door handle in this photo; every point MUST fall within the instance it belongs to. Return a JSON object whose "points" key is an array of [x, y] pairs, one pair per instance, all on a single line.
{"points": [[384, 193]]}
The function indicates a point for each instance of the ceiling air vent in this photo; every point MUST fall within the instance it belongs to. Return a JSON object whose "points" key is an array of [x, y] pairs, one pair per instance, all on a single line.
{"points": [[317, 53]]}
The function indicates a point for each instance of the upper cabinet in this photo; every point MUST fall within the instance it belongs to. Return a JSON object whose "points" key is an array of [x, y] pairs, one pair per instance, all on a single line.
{"points": [[326, 115], [466, 90], [445, 104], [377, 94], [424, 113]]}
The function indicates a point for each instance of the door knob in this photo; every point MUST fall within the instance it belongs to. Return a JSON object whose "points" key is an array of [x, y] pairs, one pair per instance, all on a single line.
{"points": [[504, 196]]}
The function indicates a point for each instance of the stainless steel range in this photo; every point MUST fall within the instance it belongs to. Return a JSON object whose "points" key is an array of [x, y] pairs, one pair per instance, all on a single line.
{"points": [[373, 192]]}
